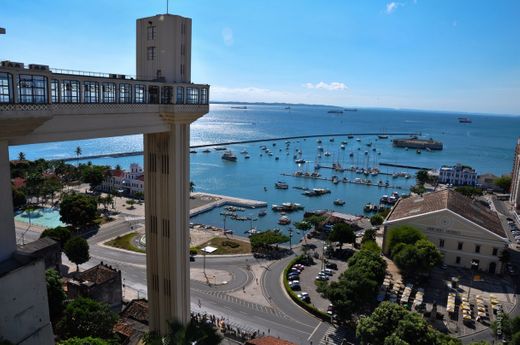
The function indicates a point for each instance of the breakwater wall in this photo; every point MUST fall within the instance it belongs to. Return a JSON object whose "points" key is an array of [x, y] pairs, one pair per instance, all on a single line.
{"points": [[139, 153]]}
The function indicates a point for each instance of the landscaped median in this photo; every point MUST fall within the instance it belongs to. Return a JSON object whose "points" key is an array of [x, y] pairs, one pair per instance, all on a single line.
{"points": [[309, 307], [125, 242]]}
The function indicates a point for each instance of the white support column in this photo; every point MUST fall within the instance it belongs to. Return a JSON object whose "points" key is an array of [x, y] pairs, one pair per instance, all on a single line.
{"points": [[7, 229], [166, 157]]}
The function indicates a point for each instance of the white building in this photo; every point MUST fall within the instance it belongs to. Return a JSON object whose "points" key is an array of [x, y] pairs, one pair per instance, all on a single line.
{"points": [[458, 175], [515, 182], [466, 232], [126, 182]]}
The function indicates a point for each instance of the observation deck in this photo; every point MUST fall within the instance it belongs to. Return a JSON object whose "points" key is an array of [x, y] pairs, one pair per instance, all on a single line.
{"points": [[40, 104]]}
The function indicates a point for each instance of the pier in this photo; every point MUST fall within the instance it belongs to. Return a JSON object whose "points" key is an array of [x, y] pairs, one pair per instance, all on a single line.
{"points": [[404, 166], [211, 201], [252, 141]]}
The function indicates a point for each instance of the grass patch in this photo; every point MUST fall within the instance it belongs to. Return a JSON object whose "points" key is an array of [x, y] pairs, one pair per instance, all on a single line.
{"points": [[125, 242], [226, 246]]}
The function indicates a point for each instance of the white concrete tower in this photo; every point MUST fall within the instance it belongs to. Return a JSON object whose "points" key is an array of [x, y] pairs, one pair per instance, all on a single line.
{"points": [[163, 48], [164, 51]]}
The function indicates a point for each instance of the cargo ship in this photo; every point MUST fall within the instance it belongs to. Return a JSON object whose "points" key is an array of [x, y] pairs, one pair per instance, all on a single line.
{"points": [[416, 143]]}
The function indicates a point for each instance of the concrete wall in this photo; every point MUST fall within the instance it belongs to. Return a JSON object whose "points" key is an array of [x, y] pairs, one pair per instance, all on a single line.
{"points": [[24, 313], [447, 226]]}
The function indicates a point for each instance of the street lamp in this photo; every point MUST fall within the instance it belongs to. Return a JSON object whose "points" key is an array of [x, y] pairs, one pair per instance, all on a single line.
{"points": [[290, 230]]}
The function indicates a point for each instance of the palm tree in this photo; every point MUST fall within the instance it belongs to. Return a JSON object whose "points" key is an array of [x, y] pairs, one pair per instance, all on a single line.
{"points": [[21, 156], [195, 332], [78, 153]]}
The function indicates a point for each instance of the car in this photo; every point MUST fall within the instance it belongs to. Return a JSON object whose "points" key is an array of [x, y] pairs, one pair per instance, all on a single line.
{"points": [[322, 277], [295, 269], [331, 265], [512, 270], [304, 296], [228, 232], [192, 258], [330, 309], [444, 266], [299, 266], [328, 271], [293, 274]]}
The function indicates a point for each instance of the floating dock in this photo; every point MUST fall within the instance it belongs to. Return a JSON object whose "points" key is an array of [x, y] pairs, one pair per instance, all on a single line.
{"points": [[212, 201]]}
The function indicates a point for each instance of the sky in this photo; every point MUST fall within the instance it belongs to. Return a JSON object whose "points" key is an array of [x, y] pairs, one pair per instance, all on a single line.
{"points": [[454, 55]]}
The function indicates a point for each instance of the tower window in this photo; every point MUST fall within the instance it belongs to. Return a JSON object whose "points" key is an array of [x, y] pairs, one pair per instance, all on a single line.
{"points": [[441, 243], [150, 32], [150, 53]]}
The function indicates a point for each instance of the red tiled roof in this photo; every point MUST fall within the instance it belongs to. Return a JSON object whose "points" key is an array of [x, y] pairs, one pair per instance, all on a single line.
{"points": [[268, 341], [98, 274], [450, 200], [137, 310], [118, 173], [18, 182], [123, 328]]}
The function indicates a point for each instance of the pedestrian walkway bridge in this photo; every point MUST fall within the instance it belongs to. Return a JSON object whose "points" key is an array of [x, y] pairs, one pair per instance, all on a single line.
{"points": [[38, 103]]}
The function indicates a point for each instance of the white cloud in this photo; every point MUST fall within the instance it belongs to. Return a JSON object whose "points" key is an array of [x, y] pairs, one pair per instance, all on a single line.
{"points": [[227, 35], [392, 6], [324, 86]]}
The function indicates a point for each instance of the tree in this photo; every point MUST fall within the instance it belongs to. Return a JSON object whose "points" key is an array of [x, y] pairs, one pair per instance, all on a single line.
{"points": [[21, 156], [372, 246], [94, 175], [78, 153], [342, 233], [504, 182], [417, 258], [468, 191], [422, 176], [55, 294], [77, 250], [404, 234], [78, 210], [84, 341], [84, 317], [263, 240], [303, 225], [60, 234], [19, 198], [376, 219], [51, 186], [106, 201], [131, 203], [315, 220], [380, 324], [369, 235], [195, 332]]}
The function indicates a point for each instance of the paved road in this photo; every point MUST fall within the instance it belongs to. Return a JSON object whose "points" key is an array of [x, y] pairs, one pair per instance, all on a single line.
{"points": [[283, 318]]}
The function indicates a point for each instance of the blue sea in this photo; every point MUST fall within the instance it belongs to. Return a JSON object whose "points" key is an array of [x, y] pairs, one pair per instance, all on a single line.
{"points": [[487, 144]]}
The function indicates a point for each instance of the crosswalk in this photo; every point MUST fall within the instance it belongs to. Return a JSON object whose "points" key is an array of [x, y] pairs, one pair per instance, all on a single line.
{"points": [[334, 336]]}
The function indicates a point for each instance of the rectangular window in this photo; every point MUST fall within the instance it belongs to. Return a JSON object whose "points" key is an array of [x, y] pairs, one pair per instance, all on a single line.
{"points": [[477, 248], [495, 251], [150, 32], [55, 86], [181, 67], [70, 91], [441, 243], [91, 92], [32, 88], [192, 95], [153, 94], [6, 87], [125, 93], [204, 96], [180, 95], [150, 53], [140, 93], [109, 92], [459, 247], [457, 260], [166, 95]]}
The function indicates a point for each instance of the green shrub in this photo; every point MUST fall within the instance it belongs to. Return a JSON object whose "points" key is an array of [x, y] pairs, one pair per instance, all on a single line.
{"points": [[230, 244]]}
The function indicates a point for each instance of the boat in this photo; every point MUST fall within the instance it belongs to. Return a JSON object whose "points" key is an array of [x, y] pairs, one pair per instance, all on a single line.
{"points": [[244, 152], [287, 207], [327, 154], [339, 202], [262, 213], [284, 220], [335, 180], [350, 136], [351, 154], [418, 151], [382, 136], [239, 107], [300, 161], [287, 108], [335, 111], [464, 120], [316, 192], [281, 185], [193, 151], [357, 139], [229, 156], [247, 156], [350, 109], [342, 147], [207, 151], [220, 148], [276, 158], [320, 148], [318, 141], [331, 140]]}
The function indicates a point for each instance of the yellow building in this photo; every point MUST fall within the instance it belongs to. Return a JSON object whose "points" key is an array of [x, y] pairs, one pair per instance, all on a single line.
{"points": [[466, 232]]}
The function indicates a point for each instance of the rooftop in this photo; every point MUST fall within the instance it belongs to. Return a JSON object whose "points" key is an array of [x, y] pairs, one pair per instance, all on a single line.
{"points": [[98, 274], [136, 310], [450, 200]]}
